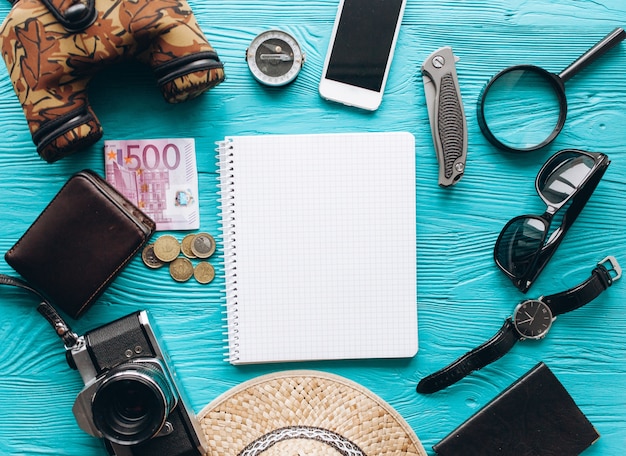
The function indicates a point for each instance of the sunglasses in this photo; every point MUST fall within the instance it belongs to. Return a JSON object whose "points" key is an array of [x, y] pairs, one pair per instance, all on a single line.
{"points": [[565, 183]]}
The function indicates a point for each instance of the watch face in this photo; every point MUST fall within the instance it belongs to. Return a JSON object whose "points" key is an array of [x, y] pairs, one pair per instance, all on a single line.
{"points": [[532, 319], [274, 58]]}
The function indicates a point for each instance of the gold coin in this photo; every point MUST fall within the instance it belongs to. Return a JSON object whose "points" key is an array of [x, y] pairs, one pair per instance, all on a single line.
{"points": [[185, 246], [204, 272], [166, 248], [149, 258], [203, 245], [181, 269]]}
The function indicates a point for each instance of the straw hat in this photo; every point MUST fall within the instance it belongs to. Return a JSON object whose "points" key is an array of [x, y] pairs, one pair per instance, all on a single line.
{"points": [[297, 413]]}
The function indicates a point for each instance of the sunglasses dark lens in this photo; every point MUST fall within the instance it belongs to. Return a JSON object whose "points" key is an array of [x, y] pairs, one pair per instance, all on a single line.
{"points": [[558, 182], [518, 245]]}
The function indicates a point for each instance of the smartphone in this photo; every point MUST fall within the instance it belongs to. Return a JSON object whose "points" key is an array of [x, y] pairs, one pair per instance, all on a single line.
{"points": [[360, 52]]}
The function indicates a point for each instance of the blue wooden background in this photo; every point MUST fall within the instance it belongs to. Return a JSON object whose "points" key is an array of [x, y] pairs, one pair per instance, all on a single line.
{"points": [[463, 298]]}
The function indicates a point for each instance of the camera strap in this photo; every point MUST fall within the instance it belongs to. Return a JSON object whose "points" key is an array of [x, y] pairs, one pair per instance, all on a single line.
{"points": [[46, 309]]}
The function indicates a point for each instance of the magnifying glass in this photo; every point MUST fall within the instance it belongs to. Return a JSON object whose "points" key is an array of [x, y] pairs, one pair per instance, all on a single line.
{"points": [[523, 108]]}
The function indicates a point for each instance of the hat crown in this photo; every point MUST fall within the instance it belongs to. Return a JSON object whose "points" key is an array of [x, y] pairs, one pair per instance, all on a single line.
{"points": [[305, 413]]}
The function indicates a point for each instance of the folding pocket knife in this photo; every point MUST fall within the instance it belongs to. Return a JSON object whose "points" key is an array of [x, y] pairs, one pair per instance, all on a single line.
{"points": [[447, 117]]}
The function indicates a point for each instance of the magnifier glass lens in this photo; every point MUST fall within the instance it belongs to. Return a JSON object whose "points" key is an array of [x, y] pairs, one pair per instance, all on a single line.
{"points": [[521, 108]]}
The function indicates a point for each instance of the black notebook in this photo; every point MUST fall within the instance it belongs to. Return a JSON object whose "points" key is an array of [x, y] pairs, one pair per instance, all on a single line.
{"points": [[535, 416]]}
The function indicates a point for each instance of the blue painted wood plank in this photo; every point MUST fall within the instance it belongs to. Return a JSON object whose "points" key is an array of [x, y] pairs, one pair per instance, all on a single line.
{"points": [[463, 298]]}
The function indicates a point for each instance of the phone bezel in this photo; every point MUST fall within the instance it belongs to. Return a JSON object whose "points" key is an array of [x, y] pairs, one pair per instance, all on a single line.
{"points": [[352, 95]]}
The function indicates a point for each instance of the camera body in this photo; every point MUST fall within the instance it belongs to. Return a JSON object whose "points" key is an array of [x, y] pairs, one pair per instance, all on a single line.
{"points": [[130, 398]]}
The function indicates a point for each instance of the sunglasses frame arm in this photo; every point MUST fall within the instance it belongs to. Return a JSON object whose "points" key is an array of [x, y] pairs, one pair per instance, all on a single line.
{"points": [[578, 203]]}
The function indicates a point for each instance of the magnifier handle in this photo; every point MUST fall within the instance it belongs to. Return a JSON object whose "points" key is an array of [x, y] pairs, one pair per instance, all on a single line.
{"points": [[447, 118], [598, 50]]}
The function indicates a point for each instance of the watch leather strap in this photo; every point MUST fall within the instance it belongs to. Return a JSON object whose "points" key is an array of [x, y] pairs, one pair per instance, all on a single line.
{"points": [[582, 294], [601, 278], [490, 351], [45, 309]]}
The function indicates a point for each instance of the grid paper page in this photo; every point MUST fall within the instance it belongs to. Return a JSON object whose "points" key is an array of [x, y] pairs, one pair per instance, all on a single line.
{"points": [[320, 246]]}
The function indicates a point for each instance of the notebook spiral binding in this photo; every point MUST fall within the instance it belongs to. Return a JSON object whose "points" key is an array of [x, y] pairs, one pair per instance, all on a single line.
{"points": [[226, 208]]}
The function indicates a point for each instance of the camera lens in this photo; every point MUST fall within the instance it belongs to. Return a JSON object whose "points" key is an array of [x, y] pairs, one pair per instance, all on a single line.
{"points": [[132, 403]]}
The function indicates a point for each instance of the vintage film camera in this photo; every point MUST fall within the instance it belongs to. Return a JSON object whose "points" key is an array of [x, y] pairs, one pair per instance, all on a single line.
{"points": [[130, 398]]}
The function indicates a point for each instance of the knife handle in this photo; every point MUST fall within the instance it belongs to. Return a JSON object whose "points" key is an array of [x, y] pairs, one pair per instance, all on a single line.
{"points": [[452, 131], [447, 117]]}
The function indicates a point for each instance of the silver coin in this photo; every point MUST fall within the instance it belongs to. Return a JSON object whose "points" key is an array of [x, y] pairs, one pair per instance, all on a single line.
{"points": [[149, 258], [203, 245]]}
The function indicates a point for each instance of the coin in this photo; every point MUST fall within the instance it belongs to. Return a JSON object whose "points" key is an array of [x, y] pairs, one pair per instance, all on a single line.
{"points": [[149, 258], [203, 245], [166, 248], [181, 269], [185, 246], [204, 272]]}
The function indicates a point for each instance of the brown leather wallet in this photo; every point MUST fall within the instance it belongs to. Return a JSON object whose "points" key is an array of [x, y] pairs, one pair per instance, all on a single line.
{"points": [[80, 242]]}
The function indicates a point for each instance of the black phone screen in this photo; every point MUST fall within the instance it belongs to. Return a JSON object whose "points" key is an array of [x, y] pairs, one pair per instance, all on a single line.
{"points": [[363, 41]]}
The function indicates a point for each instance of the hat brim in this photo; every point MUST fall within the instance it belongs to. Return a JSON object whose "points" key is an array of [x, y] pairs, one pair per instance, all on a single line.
{"points": [[307, 411]]}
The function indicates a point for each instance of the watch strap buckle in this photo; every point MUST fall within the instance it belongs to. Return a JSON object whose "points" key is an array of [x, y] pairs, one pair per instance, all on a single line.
{"points": [[612, 267]]}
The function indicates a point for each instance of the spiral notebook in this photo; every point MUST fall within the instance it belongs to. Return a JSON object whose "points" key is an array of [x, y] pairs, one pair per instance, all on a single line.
{"points": [[319, 236]]}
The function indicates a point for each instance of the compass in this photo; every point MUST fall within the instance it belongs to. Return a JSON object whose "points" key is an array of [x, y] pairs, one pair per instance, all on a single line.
{"points": [[274, 58]]}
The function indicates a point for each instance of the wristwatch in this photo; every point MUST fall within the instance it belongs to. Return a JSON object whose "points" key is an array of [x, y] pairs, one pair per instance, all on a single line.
{"points": [[531, 319]]}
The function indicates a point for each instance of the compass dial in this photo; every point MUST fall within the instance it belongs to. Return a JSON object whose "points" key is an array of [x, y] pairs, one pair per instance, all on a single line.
{"points": [[274, 58]]}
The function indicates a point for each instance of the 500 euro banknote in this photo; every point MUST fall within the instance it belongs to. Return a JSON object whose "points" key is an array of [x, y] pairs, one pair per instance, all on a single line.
{"points": [[159, 176]]}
